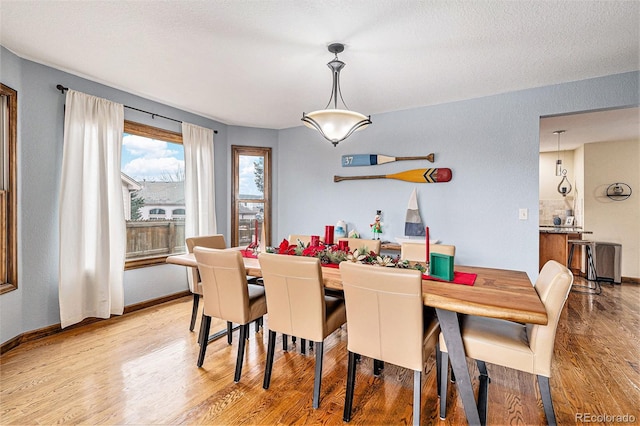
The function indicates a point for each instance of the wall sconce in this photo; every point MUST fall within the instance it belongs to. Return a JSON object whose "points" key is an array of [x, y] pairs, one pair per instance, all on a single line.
{"points": [[619, 191]]}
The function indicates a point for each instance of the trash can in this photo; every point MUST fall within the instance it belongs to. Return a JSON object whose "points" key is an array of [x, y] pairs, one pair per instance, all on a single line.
{"points": [[606, 257]]}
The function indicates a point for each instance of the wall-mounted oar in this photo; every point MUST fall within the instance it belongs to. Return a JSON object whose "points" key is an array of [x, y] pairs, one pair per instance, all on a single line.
{"points": [[435, 175], [375, 159]]}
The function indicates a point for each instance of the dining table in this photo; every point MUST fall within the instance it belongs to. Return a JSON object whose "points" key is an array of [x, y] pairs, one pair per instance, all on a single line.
{"points": [[494, 292]]}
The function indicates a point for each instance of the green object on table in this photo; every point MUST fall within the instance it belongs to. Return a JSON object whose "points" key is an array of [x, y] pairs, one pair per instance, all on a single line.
{"points": [[441, 266]]}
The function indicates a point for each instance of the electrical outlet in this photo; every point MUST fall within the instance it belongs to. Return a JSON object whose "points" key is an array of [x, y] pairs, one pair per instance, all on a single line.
{"points": [[523, 214]]}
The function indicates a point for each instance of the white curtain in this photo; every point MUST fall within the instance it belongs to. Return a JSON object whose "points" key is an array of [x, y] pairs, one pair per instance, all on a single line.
{"points": [[92, 225], [199, 182]]}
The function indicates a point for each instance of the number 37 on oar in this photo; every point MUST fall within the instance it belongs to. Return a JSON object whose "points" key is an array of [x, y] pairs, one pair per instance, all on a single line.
{"points": [[355, 160]]}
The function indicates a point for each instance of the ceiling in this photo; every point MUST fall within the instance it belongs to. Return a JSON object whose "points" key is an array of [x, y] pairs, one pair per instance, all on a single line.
{"points": [[262, 63], [589, 127]]}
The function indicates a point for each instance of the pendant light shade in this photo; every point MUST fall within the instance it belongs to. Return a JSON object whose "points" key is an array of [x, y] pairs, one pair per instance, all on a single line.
{"points": [[336, 124]]}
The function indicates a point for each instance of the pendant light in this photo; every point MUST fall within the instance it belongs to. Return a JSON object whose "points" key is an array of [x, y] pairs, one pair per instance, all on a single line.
{"points": [[334, 124], [564, 187], [558, 161]]}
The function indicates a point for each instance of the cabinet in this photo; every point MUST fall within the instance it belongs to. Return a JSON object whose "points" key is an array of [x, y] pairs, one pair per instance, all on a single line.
{"points": [[554, 246]]}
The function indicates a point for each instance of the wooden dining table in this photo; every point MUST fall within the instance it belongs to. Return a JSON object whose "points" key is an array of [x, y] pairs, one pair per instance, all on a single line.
{"points": [[496, 293]]}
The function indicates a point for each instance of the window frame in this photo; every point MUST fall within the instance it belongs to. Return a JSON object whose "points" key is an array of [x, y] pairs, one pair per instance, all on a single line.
{"points": [[151, 132], [236, 152], [9, 198]]}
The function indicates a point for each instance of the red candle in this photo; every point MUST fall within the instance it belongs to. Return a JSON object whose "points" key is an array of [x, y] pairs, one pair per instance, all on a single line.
{"points": [[427, 243], [328, 234]]}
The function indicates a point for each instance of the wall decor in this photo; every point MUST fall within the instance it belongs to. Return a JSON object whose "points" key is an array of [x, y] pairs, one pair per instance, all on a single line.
{"points": [[432, 175], [619, 191], [354, 160]]}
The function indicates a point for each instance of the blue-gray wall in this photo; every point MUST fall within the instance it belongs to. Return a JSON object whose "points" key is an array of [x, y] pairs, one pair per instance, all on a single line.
{"points": [[491, 144]]}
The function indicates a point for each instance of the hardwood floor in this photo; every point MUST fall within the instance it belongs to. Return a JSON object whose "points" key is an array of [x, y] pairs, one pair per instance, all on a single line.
{"points": [[141, 369]]}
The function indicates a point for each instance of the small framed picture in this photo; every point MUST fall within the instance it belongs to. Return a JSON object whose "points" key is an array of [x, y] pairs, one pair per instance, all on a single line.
{"points": [[569, 221]]}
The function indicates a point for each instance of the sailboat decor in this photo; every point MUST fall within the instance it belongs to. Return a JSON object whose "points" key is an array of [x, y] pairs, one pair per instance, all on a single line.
{"points": [[413, 226]]}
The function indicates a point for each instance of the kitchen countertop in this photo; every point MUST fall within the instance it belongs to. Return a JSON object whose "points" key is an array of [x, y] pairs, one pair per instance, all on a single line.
{"points": [[563, 230]]}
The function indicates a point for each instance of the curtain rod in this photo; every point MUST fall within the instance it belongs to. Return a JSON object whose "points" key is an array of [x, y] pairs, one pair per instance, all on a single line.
{"points": [[62, 89]]}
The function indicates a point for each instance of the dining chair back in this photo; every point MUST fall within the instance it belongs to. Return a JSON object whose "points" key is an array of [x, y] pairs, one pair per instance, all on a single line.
{"points": [[359, 243], [553, 285], [298, 307], [228, 296], [416, 252], [195, 286], [304, 239], [527, 348], [386, 322]]}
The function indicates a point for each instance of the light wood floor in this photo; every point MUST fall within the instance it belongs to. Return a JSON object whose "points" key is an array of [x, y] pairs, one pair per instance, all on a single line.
{"points": [[141, 369]]}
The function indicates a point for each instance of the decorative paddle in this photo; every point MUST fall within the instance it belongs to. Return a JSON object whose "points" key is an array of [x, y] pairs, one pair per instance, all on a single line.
{"points": [[375, 159], [434, 175]]}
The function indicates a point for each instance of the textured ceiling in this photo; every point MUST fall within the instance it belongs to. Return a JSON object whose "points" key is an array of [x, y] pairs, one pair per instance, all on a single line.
{"points": [[262, 63]]}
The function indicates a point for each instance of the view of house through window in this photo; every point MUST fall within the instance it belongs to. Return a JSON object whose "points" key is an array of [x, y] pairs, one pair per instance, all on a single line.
{"points": [[152, 174], [251, 206]]}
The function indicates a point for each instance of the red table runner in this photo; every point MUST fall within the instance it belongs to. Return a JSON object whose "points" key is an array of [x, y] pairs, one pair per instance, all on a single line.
{"points": [[458, 278], [249, 254]]}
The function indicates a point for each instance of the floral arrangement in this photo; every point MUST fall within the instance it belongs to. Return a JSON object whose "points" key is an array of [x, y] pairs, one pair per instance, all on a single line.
{"points": [[331, 254]]}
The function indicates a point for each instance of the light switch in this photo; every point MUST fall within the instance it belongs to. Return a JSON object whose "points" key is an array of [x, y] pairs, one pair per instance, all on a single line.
{"points": [[523, 214]]}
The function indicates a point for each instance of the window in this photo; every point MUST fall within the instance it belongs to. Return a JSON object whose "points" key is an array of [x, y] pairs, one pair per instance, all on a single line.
{"points": [[153, 190], [251, 196], [8, 186]]}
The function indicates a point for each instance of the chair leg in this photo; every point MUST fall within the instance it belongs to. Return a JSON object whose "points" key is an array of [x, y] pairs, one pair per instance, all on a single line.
{"points": [[242, 342], [201, 332], [378, 366], [545, 394], [417, 396], [204, 331], [303, 346], [483, 389], [229, 332], [284, 343], [444, 373], [438, 363], [317, 381], [270, 351], [194, 311], [351, 384]]}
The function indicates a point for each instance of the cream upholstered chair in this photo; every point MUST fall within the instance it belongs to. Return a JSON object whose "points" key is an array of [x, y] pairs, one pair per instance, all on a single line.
{"points": [[417, 252], [210, 241], [298, 307], [305, 239], [527, 348], [358, 243], [386, 321], [227, 296]]}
